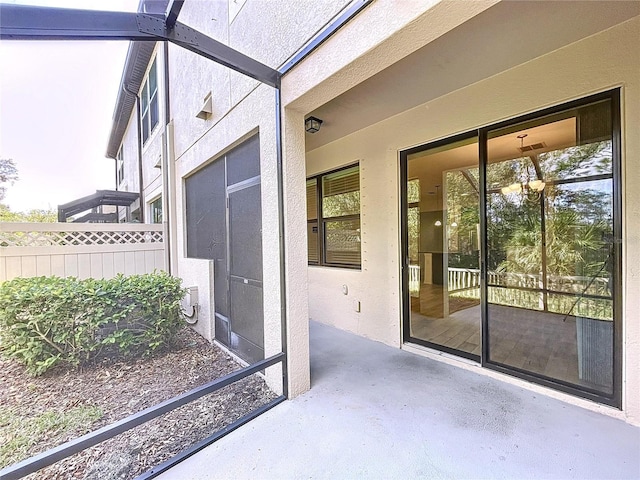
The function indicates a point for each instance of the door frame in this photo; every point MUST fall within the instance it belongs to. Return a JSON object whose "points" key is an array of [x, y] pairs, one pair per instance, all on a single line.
{"points": [[613, 95], [404, 244]]}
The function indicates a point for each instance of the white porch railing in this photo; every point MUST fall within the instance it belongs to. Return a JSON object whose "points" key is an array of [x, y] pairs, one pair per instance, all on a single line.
{"points": [[587, 297], [97, 250], [414, 280], [463, 278]]}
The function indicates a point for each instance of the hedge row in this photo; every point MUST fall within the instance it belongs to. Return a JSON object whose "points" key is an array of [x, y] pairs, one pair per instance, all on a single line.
{"points": [[46, 321]]}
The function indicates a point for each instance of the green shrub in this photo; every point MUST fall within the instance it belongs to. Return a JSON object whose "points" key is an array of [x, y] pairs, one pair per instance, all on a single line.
{"points": [[45, 321]]}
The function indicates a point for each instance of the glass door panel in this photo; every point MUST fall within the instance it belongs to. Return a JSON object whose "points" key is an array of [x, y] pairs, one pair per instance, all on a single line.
{"points": [[550, 266], [442, 225]]}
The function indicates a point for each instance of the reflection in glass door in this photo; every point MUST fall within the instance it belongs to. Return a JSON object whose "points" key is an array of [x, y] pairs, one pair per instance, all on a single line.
{"points": [[550, 256], [442, 225], [511, 243]]}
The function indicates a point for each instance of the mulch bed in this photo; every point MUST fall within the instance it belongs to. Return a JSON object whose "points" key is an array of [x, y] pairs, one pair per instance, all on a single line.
{"points": [[122, 388]]}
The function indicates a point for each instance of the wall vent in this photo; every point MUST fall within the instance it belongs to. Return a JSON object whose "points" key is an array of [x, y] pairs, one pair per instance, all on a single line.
{"points": [[534, 146]]}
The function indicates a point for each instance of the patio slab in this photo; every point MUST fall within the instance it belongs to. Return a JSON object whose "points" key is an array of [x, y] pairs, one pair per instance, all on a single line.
{"points": [[379, 412]]}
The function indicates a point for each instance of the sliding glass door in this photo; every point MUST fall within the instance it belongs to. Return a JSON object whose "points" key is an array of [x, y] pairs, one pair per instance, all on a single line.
{"points": [[550, 247], [443, 216], [536, 202]]}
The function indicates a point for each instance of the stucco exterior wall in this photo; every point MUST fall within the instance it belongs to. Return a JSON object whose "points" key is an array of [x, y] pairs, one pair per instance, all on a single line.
{"points": [[603, 61], [254, 115], [129, 148], [380, 35], [151, 150], [269, 32], [383, 33]]}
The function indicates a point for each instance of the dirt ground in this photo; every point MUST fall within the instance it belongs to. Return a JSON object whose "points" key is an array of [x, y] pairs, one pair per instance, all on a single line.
{"points": [[118, 389]]}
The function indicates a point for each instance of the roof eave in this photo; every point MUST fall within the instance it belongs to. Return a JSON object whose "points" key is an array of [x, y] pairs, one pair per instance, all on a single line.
{"points": [[135, 66]]}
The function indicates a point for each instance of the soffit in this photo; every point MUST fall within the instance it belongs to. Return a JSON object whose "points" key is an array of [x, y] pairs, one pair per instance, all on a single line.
{"points": [[137, 60], [505, 35]]}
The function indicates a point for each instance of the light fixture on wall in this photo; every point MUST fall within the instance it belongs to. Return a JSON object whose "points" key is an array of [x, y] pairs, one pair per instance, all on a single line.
{"points": [[438, 222], [528, 188], [312, 124]]}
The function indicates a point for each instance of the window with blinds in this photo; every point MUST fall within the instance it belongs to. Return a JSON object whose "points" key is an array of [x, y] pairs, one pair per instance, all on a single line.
{"points": [[333, 218], [312, 221]]}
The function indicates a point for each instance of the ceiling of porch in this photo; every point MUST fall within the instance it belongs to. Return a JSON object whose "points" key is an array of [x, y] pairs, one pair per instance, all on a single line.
{"points": [[506, 35]]}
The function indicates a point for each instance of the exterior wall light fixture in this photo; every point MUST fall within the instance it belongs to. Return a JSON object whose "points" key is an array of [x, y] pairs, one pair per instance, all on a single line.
{"points": [[312, 124]]}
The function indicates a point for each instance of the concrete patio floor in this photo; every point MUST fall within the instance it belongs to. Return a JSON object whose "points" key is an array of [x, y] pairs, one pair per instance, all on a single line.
{"points": [[378, 412]]}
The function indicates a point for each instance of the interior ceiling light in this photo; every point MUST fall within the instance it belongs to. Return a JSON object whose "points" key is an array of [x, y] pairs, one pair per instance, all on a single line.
{"points": [[312, 124], [438, 222], [527, 186]]}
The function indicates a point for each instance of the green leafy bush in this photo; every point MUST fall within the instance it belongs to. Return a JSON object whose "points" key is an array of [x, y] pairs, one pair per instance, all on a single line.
{"points": [[45, 321]]}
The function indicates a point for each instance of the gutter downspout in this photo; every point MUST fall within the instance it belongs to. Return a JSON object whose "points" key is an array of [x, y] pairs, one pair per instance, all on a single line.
{"points": [[166, 214], [115, 161], [140, 170]]}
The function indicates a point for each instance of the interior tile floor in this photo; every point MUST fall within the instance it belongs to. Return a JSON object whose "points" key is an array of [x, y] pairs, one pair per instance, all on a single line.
{"points": [[544, 343]]}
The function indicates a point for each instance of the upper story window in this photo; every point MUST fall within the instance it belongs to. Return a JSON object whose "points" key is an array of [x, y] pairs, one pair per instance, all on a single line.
{"points": [[149, 103], [333, 218], [119, 168]]}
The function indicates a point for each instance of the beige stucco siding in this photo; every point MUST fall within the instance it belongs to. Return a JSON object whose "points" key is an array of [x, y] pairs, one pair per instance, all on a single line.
{"points": [[151, 150], [254, 115], [603, 61], [130, 156], [270, 33]]}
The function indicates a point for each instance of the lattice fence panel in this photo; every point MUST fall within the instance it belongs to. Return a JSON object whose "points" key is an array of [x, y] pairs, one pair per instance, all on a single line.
{"points": [[73, 238]]}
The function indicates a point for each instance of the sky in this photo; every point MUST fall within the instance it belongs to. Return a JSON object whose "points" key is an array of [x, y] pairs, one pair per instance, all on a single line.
{"points": [[56, 106]]}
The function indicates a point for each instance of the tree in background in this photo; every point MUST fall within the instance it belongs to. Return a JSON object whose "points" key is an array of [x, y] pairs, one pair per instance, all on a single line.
{"points": [[8, 175], [35, 215], [578, 216]]}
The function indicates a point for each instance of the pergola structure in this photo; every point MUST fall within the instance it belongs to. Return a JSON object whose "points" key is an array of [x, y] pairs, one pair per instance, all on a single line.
{"points": [[19, 22], [101, 197]]}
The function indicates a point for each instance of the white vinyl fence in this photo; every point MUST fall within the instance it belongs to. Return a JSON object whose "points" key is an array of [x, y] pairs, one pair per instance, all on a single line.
{"points": [[83, 250]]}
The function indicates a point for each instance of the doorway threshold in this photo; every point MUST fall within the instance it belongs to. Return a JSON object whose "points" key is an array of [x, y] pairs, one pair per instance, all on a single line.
{"points": [[473, 366], [437, 354]]}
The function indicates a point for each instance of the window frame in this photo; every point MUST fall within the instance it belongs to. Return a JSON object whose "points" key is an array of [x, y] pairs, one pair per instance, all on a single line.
{"points": [[411, 205], [482, 133], [153, 209], [119, 168], [321, 221], [151, 100], [613, 96]]}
